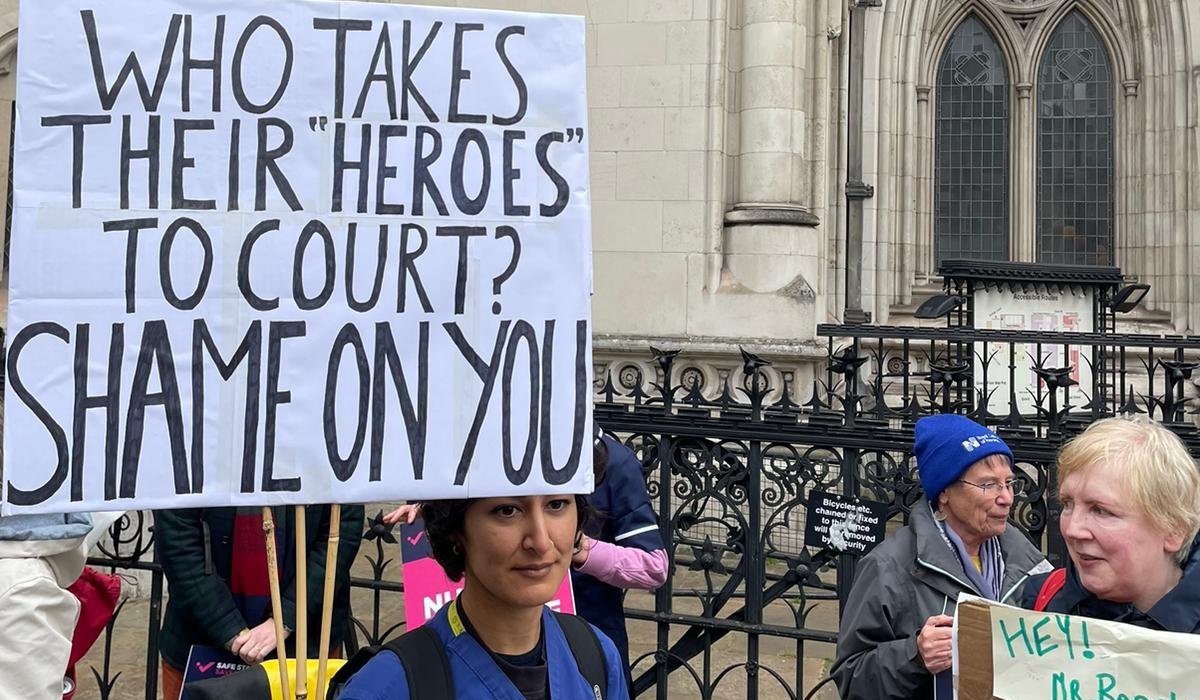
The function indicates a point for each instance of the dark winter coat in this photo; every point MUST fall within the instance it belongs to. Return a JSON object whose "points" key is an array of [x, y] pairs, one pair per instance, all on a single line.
{"points": [[913, 575], [194, 546]]}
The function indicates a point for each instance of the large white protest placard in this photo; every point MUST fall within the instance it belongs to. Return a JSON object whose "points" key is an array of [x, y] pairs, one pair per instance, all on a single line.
{"points": [[1007, 653], [276, 251]]}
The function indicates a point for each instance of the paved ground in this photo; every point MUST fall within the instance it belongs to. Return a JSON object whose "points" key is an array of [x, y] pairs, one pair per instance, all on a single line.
{"points": [[779, 655]]}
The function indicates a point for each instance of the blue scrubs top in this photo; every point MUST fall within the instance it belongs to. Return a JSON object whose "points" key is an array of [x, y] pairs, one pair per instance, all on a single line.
{"points": [[476, 675]]}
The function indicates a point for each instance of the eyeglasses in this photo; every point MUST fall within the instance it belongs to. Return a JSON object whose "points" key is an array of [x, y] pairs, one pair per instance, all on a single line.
{"points": [[989, 487]]}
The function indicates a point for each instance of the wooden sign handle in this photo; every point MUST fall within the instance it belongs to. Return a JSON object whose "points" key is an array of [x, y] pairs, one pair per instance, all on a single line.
{"points": [[268, 519], [301, 604], [331, 552]]}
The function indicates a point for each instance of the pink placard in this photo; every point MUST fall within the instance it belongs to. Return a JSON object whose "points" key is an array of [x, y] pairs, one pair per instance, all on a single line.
{"points": [[427, 589]]}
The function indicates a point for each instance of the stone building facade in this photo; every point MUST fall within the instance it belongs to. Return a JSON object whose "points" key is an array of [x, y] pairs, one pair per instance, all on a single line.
{"points": [[762, 166], [829, 139]]}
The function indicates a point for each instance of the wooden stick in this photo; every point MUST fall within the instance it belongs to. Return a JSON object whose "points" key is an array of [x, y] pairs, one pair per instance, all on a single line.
{"points": [[301, 605], [331, 552], [276, 599]]}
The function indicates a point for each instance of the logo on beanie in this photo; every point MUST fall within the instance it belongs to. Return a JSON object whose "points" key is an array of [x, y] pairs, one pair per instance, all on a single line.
{"points": [[973, 443]]}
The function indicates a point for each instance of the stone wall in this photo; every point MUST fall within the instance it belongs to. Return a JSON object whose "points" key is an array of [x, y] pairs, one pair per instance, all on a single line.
{"points": [[718, 158]]}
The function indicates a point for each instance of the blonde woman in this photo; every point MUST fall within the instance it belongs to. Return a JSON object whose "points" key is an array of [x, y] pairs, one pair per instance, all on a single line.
{"points": [[1130, 496]]}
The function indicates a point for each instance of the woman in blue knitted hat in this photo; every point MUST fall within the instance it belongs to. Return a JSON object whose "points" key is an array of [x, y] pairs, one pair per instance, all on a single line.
{"points": [[895, 629]]}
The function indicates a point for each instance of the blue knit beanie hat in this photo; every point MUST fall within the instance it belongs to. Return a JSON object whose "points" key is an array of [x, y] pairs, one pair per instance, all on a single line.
{"points": [[947, 445]]}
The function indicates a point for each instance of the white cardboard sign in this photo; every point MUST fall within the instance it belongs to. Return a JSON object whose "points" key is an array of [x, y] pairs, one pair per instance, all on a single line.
{"points": [[283, 251]]}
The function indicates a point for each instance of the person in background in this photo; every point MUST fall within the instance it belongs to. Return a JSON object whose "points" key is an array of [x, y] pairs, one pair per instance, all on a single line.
{"points": [[40, 557], [1130, 495], [498, 638], [215, 563], [895, 630], [621, 547]]}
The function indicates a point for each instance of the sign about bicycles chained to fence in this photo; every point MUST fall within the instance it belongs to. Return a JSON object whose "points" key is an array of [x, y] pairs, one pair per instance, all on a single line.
{"points": [[846, 525], [1012, 654], [277, 251]]}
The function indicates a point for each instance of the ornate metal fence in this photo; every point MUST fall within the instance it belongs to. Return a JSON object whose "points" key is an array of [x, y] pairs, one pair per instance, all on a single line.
{"points": [[729, 470]]}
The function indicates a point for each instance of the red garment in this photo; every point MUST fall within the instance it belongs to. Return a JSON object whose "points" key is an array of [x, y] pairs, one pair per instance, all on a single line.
{"points": [[172, 681], [98, 594], [249, 582]]}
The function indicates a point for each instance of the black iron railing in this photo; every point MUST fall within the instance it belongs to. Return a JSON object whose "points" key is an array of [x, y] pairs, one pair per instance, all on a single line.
{"points": [[729, 470]]}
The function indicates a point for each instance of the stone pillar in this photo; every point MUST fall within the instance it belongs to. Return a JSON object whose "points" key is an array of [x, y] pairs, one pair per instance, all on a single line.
{"points": [[1129, 255], [1022, 205], [770, 241], [924, 248]]}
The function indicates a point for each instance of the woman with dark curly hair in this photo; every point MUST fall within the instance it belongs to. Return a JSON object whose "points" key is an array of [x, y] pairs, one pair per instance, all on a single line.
{"points": [[621, 547], [498, 638]]}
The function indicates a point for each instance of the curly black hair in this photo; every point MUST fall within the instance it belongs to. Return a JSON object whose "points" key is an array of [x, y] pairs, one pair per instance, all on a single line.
{"points": [[444, 522], [444, 519]]}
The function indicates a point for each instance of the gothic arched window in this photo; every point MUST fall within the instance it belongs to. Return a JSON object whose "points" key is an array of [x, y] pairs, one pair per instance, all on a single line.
{"points": [[1075, 147], [971, 151]]}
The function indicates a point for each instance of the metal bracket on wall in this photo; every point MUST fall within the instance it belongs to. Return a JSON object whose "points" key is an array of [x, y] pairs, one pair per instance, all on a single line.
{"points": [[857, 189], [856, 317]]}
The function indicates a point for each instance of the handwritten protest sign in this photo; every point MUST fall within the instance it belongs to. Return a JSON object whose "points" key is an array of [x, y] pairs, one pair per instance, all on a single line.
{"points": [[1012, 654], [284, 251]]}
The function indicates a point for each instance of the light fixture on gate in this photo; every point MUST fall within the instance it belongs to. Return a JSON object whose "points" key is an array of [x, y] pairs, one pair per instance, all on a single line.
{"points": [[1128, 297], [938, 306]]}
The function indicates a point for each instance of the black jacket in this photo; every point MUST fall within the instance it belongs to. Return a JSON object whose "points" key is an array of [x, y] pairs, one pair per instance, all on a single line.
{"points": [[1178, 611], [194, 546]]}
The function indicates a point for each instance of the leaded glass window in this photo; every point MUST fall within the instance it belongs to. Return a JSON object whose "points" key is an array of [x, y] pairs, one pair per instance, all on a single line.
{"points": [[971, 151], [1075, 148]]}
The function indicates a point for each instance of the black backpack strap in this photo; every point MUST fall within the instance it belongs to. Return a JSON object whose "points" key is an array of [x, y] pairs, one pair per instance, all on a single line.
{"points": [[586, 649], [421, 652], [348, 669]]}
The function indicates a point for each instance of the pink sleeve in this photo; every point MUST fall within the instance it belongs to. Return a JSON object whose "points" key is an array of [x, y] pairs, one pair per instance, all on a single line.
{"points": [[626, 567]]}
